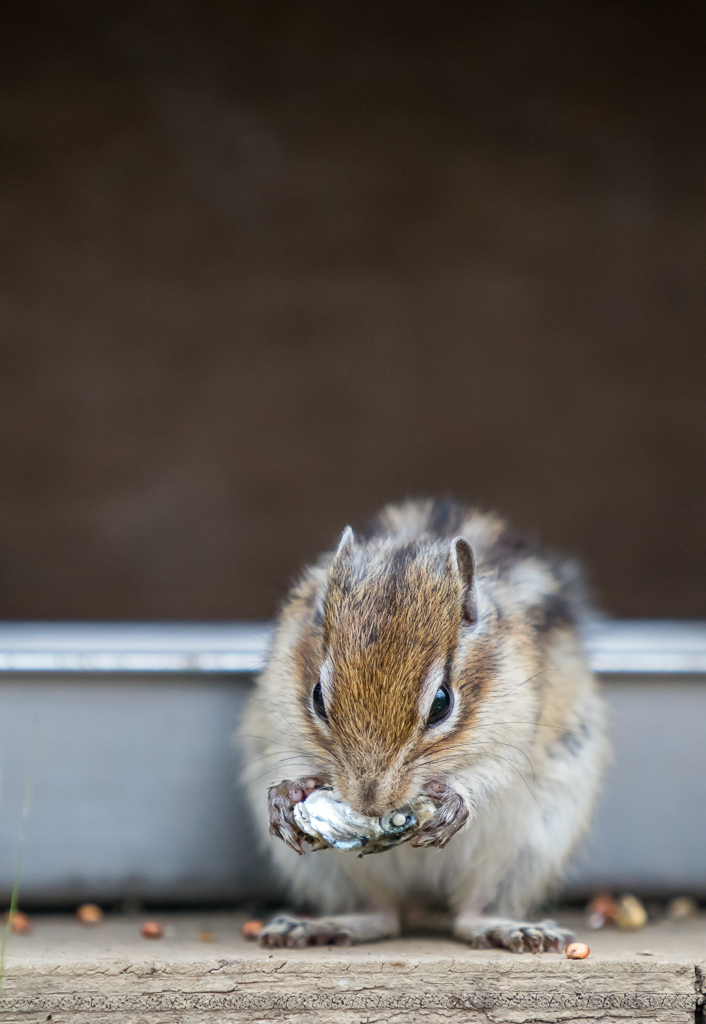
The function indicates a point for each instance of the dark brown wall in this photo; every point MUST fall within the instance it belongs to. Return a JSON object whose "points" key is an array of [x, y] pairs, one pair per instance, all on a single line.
{"points": [[267, 265]]}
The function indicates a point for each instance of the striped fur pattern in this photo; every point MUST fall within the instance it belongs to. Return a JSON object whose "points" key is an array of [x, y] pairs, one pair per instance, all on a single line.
{"points": [[433, 595]]}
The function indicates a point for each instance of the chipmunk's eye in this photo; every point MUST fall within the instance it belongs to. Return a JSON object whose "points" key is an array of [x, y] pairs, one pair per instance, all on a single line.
{"points": [[317, 698], [441, 707]]}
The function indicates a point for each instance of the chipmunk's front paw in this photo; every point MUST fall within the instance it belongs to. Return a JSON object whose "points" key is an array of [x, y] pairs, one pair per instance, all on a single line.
{"points": [[282, 799], [451, 815], [517, 936], [296, 933]]}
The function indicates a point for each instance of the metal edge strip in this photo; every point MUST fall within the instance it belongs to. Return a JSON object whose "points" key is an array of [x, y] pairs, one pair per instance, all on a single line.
{"points": [[613, 647]]}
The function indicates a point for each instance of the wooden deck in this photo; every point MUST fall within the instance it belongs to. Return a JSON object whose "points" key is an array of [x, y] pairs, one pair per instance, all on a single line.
{"points": [[67, 973]]}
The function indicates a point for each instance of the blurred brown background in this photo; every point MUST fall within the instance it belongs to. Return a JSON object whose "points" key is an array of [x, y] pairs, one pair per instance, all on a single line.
{"points": [[267, 265]]}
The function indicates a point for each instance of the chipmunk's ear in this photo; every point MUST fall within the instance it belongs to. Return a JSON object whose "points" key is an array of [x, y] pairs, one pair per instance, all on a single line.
{"points": [[344, 551], [463, 565], [339, 570], [338, 580]]}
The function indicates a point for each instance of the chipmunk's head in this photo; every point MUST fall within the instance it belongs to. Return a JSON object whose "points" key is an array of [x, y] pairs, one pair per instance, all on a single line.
{"points": [[382, 680]]}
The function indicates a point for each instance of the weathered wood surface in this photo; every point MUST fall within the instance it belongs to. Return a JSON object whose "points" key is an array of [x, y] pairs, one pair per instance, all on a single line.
{"points": [[69, 974]]}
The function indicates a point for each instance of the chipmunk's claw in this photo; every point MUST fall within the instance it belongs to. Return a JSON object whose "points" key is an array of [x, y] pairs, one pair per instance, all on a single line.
{"points": [[451, 816], [282, 799]]}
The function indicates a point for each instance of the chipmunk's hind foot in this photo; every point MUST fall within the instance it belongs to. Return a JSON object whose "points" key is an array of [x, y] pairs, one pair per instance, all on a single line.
{"points": [[517, 936], [285, 931], [296, 933]]}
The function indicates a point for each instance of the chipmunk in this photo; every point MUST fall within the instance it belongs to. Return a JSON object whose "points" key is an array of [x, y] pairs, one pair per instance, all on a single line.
{"points": [[436, 654]]}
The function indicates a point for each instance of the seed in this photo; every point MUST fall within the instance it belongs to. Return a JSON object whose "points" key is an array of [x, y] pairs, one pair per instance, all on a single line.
{"points": [[89, 913], [21, 924], [602, 909], [681, 908], [151, 930], [251, 930], [398, 819], [632, 915], [577, 951], [207, 937], [595, 921]]}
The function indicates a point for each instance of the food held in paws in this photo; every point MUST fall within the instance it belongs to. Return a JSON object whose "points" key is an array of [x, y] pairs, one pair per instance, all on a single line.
{"points": [[328, 821]]}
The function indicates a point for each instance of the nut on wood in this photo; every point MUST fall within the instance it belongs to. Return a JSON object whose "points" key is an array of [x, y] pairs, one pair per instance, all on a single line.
{"points": [[151, 930], [577, 951]]}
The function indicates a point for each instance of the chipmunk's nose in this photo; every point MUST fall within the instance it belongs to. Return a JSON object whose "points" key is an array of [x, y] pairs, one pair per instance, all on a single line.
{"points": [[369, 796], [368, 799], [371, 784]]}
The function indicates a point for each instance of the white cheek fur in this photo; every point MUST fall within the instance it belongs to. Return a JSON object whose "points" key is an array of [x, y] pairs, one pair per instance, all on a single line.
{"points": [[326, 680], [434, 679]]}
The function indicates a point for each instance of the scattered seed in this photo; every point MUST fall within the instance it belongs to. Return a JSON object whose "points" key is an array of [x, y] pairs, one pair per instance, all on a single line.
{"points": [[681, 908], [89, 913], [21, 924], [151, 930], [601, 910], [595, 922], [251, 930], [577, 951], [207, 937], [632, 915]]}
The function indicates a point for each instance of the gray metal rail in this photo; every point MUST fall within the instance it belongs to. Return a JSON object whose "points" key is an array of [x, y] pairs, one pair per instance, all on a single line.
{"points": [[126, 733], [618, 646]]}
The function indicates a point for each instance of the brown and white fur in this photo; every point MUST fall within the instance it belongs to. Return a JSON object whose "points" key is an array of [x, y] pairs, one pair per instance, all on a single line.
{"points": [[434, 595]]}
